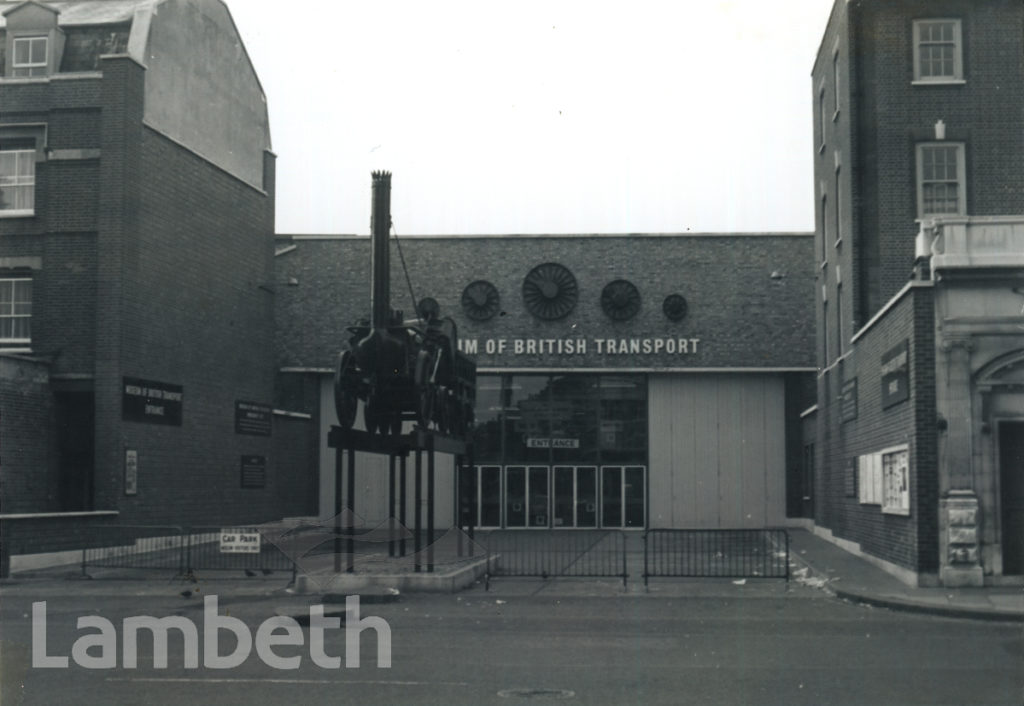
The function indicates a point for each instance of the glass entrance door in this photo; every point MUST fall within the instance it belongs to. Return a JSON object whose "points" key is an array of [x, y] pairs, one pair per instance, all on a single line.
{"points": [[575, 502], [526, 496], [623, 496]]}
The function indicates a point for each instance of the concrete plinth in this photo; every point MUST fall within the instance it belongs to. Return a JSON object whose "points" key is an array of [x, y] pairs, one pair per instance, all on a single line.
{"points": [[450, 581]]}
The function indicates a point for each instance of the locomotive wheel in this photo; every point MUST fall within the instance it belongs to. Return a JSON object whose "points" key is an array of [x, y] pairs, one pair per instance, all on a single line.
{"points": [[346, 398]]}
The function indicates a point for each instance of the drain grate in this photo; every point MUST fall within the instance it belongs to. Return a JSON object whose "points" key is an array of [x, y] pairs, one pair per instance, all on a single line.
{"points": [[538, 693]]}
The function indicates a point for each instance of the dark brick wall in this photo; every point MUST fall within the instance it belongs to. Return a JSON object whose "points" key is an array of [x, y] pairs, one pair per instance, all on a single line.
{"points": [[800, 395], [197, 290], [742, 316], [893, 115], [905, 541], [296, 453], [28, 472]]}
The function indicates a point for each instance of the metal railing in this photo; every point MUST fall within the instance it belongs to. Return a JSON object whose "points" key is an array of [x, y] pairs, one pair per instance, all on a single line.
{"points": [[135, 547], [716, 553], [203, 550], [555, 553], [180, 549]]}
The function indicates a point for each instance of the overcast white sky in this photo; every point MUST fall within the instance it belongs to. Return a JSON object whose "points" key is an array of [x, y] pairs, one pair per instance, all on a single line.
{"points": [[540, 117]]}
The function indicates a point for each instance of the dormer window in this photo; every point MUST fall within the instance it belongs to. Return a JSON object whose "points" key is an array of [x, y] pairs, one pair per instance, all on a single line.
{"points": [[33, 42], [30, 57]]}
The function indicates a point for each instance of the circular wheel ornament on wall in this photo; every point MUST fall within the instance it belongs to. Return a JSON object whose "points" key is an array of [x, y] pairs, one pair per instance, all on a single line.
{"points": [[428, 309], [620, 300], [550, 291], [480, 300], [675, 307]]}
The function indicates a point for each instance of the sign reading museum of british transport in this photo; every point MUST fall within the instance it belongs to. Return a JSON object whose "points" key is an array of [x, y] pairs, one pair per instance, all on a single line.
{"points": [[580, 352], [579, 346]]}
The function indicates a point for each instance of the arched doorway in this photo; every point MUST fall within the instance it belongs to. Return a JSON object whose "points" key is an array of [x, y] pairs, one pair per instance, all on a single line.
{"points": [[1000, 384]]}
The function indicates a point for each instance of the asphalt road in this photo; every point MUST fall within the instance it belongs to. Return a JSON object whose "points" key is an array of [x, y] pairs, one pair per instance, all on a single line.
{"points": [[504, 648]]}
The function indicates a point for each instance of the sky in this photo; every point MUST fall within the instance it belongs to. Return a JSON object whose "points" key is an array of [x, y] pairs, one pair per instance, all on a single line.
{"points": [[559, 116]]}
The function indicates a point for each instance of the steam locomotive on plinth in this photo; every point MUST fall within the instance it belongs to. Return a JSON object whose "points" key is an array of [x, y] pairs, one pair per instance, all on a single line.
{"points": [[402, 370]]}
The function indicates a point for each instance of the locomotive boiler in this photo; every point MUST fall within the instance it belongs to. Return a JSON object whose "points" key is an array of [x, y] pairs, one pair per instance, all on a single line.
{"points": [[402, 370]]}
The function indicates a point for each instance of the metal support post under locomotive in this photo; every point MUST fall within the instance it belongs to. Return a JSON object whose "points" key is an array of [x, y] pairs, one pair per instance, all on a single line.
{"points": [[402, 370]]}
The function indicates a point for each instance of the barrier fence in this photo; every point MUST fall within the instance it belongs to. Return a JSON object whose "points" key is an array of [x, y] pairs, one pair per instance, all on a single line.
{"points": [[135, 547], [555, 553], [549, 553], [183, 549], [716, 553]]}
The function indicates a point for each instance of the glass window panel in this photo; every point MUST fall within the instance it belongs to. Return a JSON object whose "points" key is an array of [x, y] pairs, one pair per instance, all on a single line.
{"points": [[538, 506], [17, 179], [8, 166], [515, 496], [634, 496], [38, 50], [937, 49], [586, 496], [623, 422], [15, 309], [468, 496], [564, 491], [22, 51], [611, 496], [574, 410], [488, 418], [527, 427], [490, 496]]}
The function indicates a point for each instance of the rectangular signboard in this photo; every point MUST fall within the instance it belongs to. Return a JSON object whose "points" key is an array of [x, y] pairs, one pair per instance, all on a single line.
{"points": [[895, 372], [540, 443], [239, 542], [254, 471], [151, 402], [848, 401], [253, 418]]}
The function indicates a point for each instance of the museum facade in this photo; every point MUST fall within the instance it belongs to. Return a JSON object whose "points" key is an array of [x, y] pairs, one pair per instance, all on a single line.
{"points": [[623, 381]]}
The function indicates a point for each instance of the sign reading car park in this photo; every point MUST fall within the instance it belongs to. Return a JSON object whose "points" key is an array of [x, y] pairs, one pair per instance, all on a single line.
{"points": [[239, 542]]}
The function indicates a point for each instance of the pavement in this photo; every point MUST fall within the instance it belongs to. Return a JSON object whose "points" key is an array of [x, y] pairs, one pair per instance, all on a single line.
{"points": [[852, 578], [818, 567]]}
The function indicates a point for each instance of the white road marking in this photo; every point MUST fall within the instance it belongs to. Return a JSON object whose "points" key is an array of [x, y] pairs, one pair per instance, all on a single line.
{"points": [[202, 680]]}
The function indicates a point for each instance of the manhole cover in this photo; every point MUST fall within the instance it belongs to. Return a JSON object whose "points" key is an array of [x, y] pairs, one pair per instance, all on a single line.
{"points": [[538, 693]]}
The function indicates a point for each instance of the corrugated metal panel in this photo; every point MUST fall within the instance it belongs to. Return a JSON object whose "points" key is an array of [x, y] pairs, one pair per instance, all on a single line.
{"points": [[717, 455]]}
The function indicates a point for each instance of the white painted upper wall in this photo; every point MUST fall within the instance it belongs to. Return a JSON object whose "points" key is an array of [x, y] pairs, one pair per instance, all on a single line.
{"points": [[201, 88]]}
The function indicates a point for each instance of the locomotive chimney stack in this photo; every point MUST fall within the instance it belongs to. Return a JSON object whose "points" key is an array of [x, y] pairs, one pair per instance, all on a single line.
{"points": [[380, 258]]}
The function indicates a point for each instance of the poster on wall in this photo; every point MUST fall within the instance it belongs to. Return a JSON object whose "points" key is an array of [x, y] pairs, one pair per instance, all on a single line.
{"points": [[895, 372], [131, 472], [896, 483]]}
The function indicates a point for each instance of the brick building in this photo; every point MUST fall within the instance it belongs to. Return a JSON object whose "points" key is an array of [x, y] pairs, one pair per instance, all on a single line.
{"points": [[917, 454], [136, 275], [642, 380]]}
